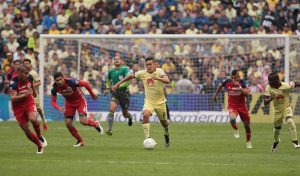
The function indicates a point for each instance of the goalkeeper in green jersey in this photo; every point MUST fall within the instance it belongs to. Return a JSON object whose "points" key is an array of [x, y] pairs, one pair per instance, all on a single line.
{"points": [[120, 96]]}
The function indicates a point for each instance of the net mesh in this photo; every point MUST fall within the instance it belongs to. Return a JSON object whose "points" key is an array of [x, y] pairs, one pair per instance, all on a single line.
{"points": [[202, 62]]}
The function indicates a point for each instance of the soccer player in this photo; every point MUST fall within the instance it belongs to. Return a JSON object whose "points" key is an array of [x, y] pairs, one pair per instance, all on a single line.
{"points": [[12, 71], [121, 95], [36, 84], [237, 91], [22, 92], [74, 100], [155, 100], [157, 65], [278, 92]]}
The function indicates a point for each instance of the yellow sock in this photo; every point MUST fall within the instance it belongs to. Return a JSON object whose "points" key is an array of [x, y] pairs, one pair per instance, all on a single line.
{"points": [[146, 127], [292, 128]]}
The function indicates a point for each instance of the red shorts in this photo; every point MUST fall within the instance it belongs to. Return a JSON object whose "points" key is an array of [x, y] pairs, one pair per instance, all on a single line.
{"points": [[242, 111], [21, 113], [70, 109]]}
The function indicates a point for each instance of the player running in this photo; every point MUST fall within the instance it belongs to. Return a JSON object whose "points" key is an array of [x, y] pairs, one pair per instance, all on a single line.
{"points": [[22, 92], [237, 91], [155, 100], [36, 84], [74, 100], [120, 96], [278, 92]]}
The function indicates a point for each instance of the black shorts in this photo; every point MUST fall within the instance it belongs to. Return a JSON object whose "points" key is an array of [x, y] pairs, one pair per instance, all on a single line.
{"points": [[121, 98]]}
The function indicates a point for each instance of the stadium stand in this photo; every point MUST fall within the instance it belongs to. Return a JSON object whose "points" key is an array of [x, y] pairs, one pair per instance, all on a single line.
{"points": [[21, 22]]}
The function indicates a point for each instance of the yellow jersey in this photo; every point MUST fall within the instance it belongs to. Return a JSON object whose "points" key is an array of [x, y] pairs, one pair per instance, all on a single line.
{"points": [[154, 89], [281, 95]]}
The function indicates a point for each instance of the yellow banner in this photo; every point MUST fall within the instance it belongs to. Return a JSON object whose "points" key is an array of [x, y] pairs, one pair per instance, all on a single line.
{"points": [[260, 113]]}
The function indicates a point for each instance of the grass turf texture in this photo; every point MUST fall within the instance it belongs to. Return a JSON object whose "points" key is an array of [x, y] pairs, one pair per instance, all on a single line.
{"points": [[196, 149]]}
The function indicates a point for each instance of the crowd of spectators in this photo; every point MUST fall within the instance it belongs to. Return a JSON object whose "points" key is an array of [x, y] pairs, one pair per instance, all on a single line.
{"points": [[199, 66]]}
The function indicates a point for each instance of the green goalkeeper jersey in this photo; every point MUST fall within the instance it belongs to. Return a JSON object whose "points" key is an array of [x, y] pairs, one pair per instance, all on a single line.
{"points": [[115, 75]]}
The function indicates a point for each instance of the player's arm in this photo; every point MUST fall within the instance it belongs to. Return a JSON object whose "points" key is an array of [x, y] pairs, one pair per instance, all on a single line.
{"points": [[37, 83], [53, 101], [219, 89], [88, 88], [164, 79], [268, 95], [127, 78], [17, 97], [244, 89]]}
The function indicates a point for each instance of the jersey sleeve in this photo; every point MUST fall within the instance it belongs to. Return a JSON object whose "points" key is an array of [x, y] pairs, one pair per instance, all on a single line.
{"points": [[225, 81], [138, 74], [288, 86], [73, 82], [126, 71], [13, 85], [243, 82], [268, 91], [161, 72], [53, 91], [35, 76]]}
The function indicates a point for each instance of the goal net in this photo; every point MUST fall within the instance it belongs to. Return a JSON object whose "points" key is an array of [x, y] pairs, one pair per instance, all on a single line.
{"points": [[195, 64]]}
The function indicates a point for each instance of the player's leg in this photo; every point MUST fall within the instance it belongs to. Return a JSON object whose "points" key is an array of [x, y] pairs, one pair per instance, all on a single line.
{"points": [[69, 115], [147, 113], [111, 114], [73, 130], [32, 116], [168, 112], [41, 113], [288, 114], [23, 120], [245, 117], [277, 123], [81, 109], [161, 112], [233, 113], [124, 103]]}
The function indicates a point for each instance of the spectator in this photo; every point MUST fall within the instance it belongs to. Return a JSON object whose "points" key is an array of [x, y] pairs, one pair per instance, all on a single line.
{"points": [[74, 19], [184, 85], [49, 20]]}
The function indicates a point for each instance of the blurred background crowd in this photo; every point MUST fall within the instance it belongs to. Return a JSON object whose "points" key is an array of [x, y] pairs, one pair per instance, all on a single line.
{"points": [[193, 66]]}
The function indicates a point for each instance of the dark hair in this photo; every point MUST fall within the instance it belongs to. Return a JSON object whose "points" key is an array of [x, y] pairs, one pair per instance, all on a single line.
{"points": [[27, 60], [149, 59], [273, 76], [22, 68], [234, 72], [58, 74]]}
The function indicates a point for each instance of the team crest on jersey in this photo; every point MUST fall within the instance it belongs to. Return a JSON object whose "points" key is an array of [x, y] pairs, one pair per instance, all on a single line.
{"points": [[150, 82], [120, 77], [29, 85], [69, 89]]}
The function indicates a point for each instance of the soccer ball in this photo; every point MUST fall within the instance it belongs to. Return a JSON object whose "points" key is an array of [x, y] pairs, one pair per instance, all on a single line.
{"points": [[149, 143]]}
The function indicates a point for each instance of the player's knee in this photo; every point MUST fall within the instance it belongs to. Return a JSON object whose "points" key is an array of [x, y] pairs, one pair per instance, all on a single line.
{"points": [[232, 120], [165, 123], [277, 128]]}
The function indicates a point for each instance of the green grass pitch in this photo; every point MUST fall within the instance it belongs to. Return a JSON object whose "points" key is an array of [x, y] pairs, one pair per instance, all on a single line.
{"points": [[196, 150]]}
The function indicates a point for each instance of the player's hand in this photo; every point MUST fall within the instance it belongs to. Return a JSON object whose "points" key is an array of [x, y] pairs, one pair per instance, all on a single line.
{"points": [[62, 109], [115, 87], [94, 97], [45, 126], [215, 98], [106, 92]]}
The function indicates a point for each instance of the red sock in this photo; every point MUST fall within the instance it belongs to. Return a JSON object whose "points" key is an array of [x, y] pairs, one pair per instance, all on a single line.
{"points": [[93, 123], [75, 133], [33, 138], [248, 136], [234, 126], [36, 126]]}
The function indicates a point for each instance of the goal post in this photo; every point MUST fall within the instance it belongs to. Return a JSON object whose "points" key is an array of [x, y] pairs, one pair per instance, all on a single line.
{"points": [[204, 59]]}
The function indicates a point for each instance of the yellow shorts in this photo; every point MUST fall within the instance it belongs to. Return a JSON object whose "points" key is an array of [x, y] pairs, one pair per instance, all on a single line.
{"points": [[160, 110], [280, 116], [37, 102]]}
